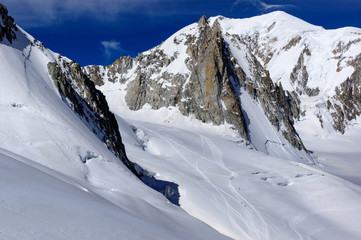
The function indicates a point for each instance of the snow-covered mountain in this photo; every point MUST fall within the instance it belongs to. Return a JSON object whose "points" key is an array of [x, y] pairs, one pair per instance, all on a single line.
{"points": [[221, 118], [303, 73], [63, 173]]}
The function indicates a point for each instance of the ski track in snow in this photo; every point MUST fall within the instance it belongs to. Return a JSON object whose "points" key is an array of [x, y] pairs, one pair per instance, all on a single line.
{"points": [[217, 157], [250, 217]]}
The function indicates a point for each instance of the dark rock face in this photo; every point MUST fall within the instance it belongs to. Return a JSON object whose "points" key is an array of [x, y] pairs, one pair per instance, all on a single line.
{"points": [[210, 93], [80, 94], [279, 106], [299, 75], [7, 25], [348, 96]]}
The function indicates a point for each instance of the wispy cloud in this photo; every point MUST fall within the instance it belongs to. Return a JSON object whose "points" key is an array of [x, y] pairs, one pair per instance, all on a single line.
{"points": [[38, 13], [263, 6], [112, 49]]}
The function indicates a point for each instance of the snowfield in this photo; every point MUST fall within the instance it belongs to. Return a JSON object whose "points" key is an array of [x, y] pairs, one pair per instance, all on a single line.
{"points": [[59, 181], [241, 192]]}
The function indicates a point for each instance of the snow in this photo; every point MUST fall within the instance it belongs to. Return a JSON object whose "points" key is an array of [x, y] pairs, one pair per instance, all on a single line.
{"points": [[244, 193], [240, 192], [264, 136], [321, 43], [276, 192], [41, 203], [59, 180], [338, 154]]}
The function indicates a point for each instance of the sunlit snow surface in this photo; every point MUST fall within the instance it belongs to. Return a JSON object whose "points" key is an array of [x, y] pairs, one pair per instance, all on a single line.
{"points": [[237, 190], [241, 192], [59, 181], [244, 193]]}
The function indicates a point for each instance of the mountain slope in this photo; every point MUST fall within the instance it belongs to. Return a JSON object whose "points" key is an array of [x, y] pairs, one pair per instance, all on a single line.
{"points": [[59, 179], [200, 111], [250, 195], [307, 74], [196, 72], [45, 204], [314, 63], [244, 193]]}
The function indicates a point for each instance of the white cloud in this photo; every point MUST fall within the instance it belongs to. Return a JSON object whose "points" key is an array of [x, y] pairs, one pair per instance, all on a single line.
{"points": [[262, 6], [112, 49]]}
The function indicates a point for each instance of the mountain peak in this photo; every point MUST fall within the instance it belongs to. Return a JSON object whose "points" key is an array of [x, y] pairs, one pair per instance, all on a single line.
{"points": [[203, 21]]}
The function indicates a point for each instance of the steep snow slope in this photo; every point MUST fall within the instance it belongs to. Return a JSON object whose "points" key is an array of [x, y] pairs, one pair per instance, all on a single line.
{"points": [[41, 203], [278, 40], [58, 178], [306, 59]]}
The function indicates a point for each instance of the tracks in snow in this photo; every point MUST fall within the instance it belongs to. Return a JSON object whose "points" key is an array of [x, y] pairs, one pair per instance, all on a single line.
{"points": [[242, 215]]}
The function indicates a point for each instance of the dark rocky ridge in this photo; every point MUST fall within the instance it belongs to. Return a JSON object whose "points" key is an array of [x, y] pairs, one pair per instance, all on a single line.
{"points": [[7, 25], [90, 104], [280, 107], [79, 92], [299, 75], [348, 98]]}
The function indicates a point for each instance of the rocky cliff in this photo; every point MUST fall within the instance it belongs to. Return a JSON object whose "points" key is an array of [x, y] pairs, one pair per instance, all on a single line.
{"points": [[7, 25], [80, 94], [347, 104]]}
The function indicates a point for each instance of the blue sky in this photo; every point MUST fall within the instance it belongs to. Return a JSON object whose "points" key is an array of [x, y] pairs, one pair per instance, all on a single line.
{"points": [[99, 31]]}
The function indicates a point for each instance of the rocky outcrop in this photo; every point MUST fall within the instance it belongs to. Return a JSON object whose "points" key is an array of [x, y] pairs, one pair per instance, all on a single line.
{"points": [[348, 98], [207, 92], [212, 94], [7, 25], [113, 73], [89, 104], [280, 107], [151, 86], [299, 75], [293, 42]]}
